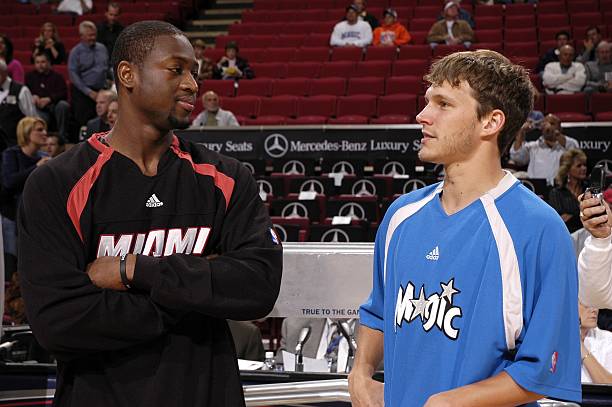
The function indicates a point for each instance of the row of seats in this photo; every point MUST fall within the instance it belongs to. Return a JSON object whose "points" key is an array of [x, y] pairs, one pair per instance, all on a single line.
{"points": [[395, 108], [16, 8]]}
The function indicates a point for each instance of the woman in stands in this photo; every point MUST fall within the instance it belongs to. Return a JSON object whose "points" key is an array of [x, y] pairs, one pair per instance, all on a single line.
{"points": [[595, 348], [569, 185], [48, 42], [15, 69], [232, 66]]}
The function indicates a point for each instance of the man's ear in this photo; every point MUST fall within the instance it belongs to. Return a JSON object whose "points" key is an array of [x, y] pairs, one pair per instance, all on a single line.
{"points": [[493, 123], [126, 75]]}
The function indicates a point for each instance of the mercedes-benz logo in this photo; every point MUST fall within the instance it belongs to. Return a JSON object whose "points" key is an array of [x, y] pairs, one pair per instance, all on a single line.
{"points": [[352, 209], [294, 210], [394, 168], [294, 167], [607, 166], [276, 145], [529, 185], [343, 167], [413, 185], [335, 236], [249, 166], [265, 186], [282, 233], [364, 187], [312, 185]]}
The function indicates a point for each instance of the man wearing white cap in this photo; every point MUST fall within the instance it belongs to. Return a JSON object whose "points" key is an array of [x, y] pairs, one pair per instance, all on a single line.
{"points": [[451, 30]]}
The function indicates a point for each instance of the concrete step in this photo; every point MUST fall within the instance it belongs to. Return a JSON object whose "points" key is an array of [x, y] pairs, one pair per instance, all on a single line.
{"points": [[200, 24]]}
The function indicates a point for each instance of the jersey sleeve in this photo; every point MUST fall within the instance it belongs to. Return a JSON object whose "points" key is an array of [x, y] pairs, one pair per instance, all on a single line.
{"points": [[371, 313], [547, 361], [242, 283], [68, 314]]}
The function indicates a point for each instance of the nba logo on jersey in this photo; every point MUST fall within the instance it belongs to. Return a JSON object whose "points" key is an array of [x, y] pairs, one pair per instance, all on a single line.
{"points": [[275, 238], [553, 362]]}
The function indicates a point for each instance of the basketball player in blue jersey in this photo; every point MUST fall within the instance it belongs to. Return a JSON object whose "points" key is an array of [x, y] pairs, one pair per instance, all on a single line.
{"points": [[474, 298]]}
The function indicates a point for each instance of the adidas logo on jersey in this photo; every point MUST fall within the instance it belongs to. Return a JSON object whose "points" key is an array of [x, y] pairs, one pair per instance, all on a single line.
{"points": [[154, 202], [434, 254]]}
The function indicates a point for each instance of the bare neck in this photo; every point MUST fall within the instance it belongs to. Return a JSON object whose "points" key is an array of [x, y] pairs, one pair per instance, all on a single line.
{"points": [[468, 180], [141, 142]]}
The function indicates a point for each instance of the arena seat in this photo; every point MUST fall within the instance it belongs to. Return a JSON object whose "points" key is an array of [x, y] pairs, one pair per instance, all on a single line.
{"points": [[409, 67], [220, 87], [417, 51], [328, 86], [601, 106], [351, 119], [397, 104], [277, 105], [303, 69], [246, 106], [290, 86], [404, 84], [371, 85], [569, 108], [256, 87], [373, 68], [552, 20], [312, 54], [338, 69], [353, 54], [321, 105], [269, 69], [380, 54], [364, 105]]}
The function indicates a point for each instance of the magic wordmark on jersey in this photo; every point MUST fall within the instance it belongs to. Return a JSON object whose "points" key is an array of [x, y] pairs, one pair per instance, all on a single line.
{"points": [[437, 310], [158, 242]]}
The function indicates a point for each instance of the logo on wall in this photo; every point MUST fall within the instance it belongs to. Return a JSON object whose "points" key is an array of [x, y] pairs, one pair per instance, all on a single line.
{"points": [[312, 185], [265, 187], [413, 185], [607, 166], [394, 168], [294, 167], [281, 232], [276, 145], [294, 210], [352, 209], [249, 166], [343, 167], [335, 236], [364, 187]]}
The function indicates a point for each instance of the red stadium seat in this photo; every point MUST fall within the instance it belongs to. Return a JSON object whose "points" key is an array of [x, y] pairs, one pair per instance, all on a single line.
{"points": [[548, 33], [312, 54], [303, 69], [349, 120], [317, 39], [421, 24], [381, 54], [519, 9], [16, 32], [277, 105], [246, 106], [528, 62], [521, 35], [399, 104], [581, 18], [428, 11], [520, 49], [337, 69], [494, 10], [551, 7], [601, 105], [552, 20], [290, 86], [271, 120], [569, 108], [240, 29], [220, 87], [493, 46], [574, 7], [363, 105], [222, 40], [322, 105], [366, 86], [214, 54], [328, 86], [308, 120], [391, 119], [279, 54], [347, 54], [404, 84], [520, 21], [489, 23], [313, 15], [293, 41], [418, 37], [373, 68], [442, 50], [303, 28], [489, 35], [414, 52], [398, 3], [269, 69], [253, 54], [261, 41], [410, 68], [255, 87], [22, 56]]}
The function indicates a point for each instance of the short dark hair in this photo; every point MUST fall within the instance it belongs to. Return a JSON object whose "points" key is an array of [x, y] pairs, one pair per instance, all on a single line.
{"points": [[232, 45], [42, 54], [136, 42], [562, 32], [496, 83], [593, 27], [113, 4]]}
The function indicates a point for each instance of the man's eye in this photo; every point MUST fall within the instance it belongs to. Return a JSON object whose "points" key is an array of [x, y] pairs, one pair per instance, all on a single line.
{"points": [[177, 70]]}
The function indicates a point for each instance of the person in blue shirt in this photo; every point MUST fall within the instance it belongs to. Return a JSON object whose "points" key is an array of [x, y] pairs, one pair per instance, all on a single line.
{"points": [[474, 298]]}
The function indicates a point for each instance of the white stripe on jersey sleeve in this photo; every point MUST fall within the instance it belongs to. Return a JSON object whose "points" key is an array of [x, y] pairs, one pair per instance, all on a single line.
{"points": [[401, 215], [512, 295]]}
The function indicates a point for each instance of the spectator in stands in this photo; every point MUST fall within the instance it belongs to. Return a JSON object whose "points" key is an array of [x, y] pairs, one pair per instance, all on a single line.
{"points": [[593, 37], [542, 155], [87, 65], [49, 93], [78, 7], [109, 30], [599, 72], [351, 32], [566, 76], [363, 15], [595, 348], [213, 115], [15, 103], [48, 43], [55, 145], [113, 111], [451, 30], [569, 185], [18, 162], [552, 55], [15, 69], [100, 124], [463, 15], [232, 66], [205, 65], [391, 33]]}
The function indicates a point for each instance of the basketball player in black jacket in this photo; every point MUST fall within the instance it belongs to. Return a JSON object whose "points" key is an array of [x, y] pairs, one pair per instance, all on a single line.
{"points": [[135, 246]]}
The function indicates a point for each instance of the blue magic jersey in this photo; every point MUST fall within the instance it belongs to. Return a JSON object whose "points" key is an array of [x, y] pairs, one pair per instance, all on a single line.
{"points": [[461, 298]]}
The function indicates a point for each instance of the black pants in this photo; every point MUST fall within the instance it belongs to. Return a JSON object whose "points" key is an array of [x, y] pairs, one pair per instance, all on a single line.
{"points": [[83, 107]]}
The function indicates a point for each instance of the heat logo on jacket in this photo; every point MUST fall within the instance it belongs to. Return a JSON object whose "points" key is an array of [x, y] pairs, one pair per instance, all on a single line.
{"points": [[435, 310], [157, 243]]}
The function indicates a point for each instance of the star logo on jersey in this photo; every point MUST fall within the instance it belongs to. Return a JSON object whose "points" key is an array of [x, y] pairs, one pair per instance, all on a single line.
{"points": [[433, 255], [154, 202], [437, 310]]}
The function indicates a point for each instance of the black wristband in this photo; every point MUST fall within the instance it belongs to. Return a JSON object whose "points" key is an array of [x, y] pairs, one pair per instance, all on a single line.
{"points": [[122, 271]]}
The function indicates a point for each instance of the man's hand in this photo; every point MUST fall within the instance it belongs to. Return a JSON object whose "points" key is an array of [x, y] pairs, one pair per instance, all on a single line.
{"points": [[595, 216], [365, 391], [42, 161], [104, 272], [43, 102]]}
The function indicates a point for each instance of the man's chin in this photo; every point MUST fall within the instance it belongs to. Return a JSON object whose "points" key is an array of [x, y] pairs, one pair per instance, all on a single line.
{"points": [[179, 124]]}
